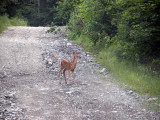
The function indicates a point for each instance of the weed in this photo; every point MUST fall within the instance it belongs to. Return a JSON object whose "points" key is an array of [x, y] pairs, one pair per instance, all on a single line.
{"points": [[5, 22], [139, 77]]}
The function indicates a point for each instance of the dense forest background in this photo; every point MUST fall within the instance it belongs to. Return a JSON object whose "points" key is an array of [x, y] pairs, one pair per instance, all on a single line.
{"points": [[133, 25], [124, 35]]}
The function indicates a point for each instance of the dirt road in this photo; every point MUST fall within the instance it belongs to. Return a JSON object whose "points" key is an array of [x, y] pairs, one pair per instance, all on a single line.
{"points": [[29, 90]]}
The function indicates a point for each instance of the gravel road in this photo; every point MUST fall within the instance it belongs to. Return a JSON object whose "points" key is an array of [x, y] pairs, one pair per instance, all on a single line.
{"points": [[29, 87]]}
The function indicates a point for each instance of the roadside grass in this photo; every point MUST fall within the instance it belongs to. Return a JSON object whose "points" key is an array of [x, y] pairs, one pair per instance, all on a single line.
{"points": [[6, 22], [139, 77], [84, 42]]}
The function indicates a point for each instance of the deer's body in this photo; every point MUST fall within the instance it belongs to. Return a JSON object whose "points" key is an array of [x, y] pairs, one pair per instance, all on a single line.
{"points": [[70, 66]]}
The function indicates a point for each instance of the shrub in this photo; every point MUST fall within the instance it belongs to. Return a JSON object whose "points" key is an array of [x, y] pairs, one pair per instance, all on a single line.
{"points": [[5, 22]]}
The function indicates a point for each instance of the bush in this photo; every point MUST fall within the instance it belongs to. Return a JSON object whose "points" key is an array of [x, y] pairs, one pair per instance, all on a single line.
{"points": [[93, 18], [138, 29], [132, 25], [5, 22]]}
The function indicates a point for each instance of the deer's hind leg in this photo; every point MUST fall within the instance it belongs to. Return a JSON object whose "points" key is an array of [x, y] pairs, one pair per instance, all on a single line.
{"points": [[68, 76], [60, 75], [64, 75]]}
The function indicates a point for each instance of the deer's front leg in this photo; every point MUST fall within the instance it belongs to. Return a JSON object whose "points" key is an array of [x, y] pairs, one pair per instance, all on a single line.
{"points": [[68, 76], [74, 78]]}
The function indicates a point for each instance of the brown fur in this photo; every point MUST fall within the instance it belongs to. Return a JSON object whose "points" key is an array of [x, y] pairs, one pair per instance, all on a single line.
{"points": [[70, 66]]}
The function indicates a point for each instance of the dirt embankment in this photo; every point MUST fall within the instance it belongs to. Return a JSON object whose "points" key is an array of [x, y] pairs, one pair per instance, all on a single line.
{"points": [[29, 90]]}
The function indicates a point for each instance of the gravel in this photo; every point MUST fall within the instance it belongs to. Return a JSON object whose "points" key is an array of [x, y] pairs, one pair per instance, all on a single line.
{"points": [[29, 90]]}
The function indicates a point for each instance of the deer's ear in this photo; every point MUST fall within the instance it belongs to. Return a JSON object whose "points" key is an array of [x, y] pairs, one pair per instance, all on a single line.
{"points": [[73, 52]]}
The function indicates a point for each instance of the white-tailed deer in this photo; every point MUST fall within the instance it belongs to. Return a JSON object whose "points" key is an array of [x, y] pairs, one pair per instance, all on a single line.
{"points": [[70, 66]]}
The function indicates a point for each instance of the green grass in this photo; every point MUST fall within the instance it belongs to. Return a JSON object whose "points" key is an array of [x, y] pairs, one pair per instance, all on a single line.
{"points": [[84, 42], [6, 22], [139, 77]]}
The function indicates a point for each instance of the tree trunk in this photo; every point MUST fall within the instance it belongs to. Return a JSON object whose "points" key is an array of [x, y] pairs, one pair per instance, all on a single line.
{"points": [[38, 1]]}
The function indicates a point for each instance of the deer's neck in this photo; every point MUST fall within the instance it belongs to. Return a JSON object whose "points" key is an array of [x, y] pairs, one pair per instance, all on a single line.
{"points": [[74, 62]]}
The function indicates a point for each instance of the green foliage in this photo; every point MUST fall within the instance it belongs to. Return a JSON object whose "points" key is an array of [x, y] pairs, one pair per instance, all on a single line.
{"points": [[93, 18], [41, 15], [75, 25], [140, 78], [44, 12], [37, 12], [64, 10], [52, 28], [132, 25], [16, 21], [122, 32], [5, 22], [138, 30], [7, 7]]}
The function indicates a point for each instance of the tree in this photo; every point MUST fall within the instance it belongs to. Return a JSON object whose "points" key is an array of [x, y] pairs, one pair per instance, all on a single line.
{"points": [[8, 7], [95, 17], [64, 10], [37, 12], [138, 29]]}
